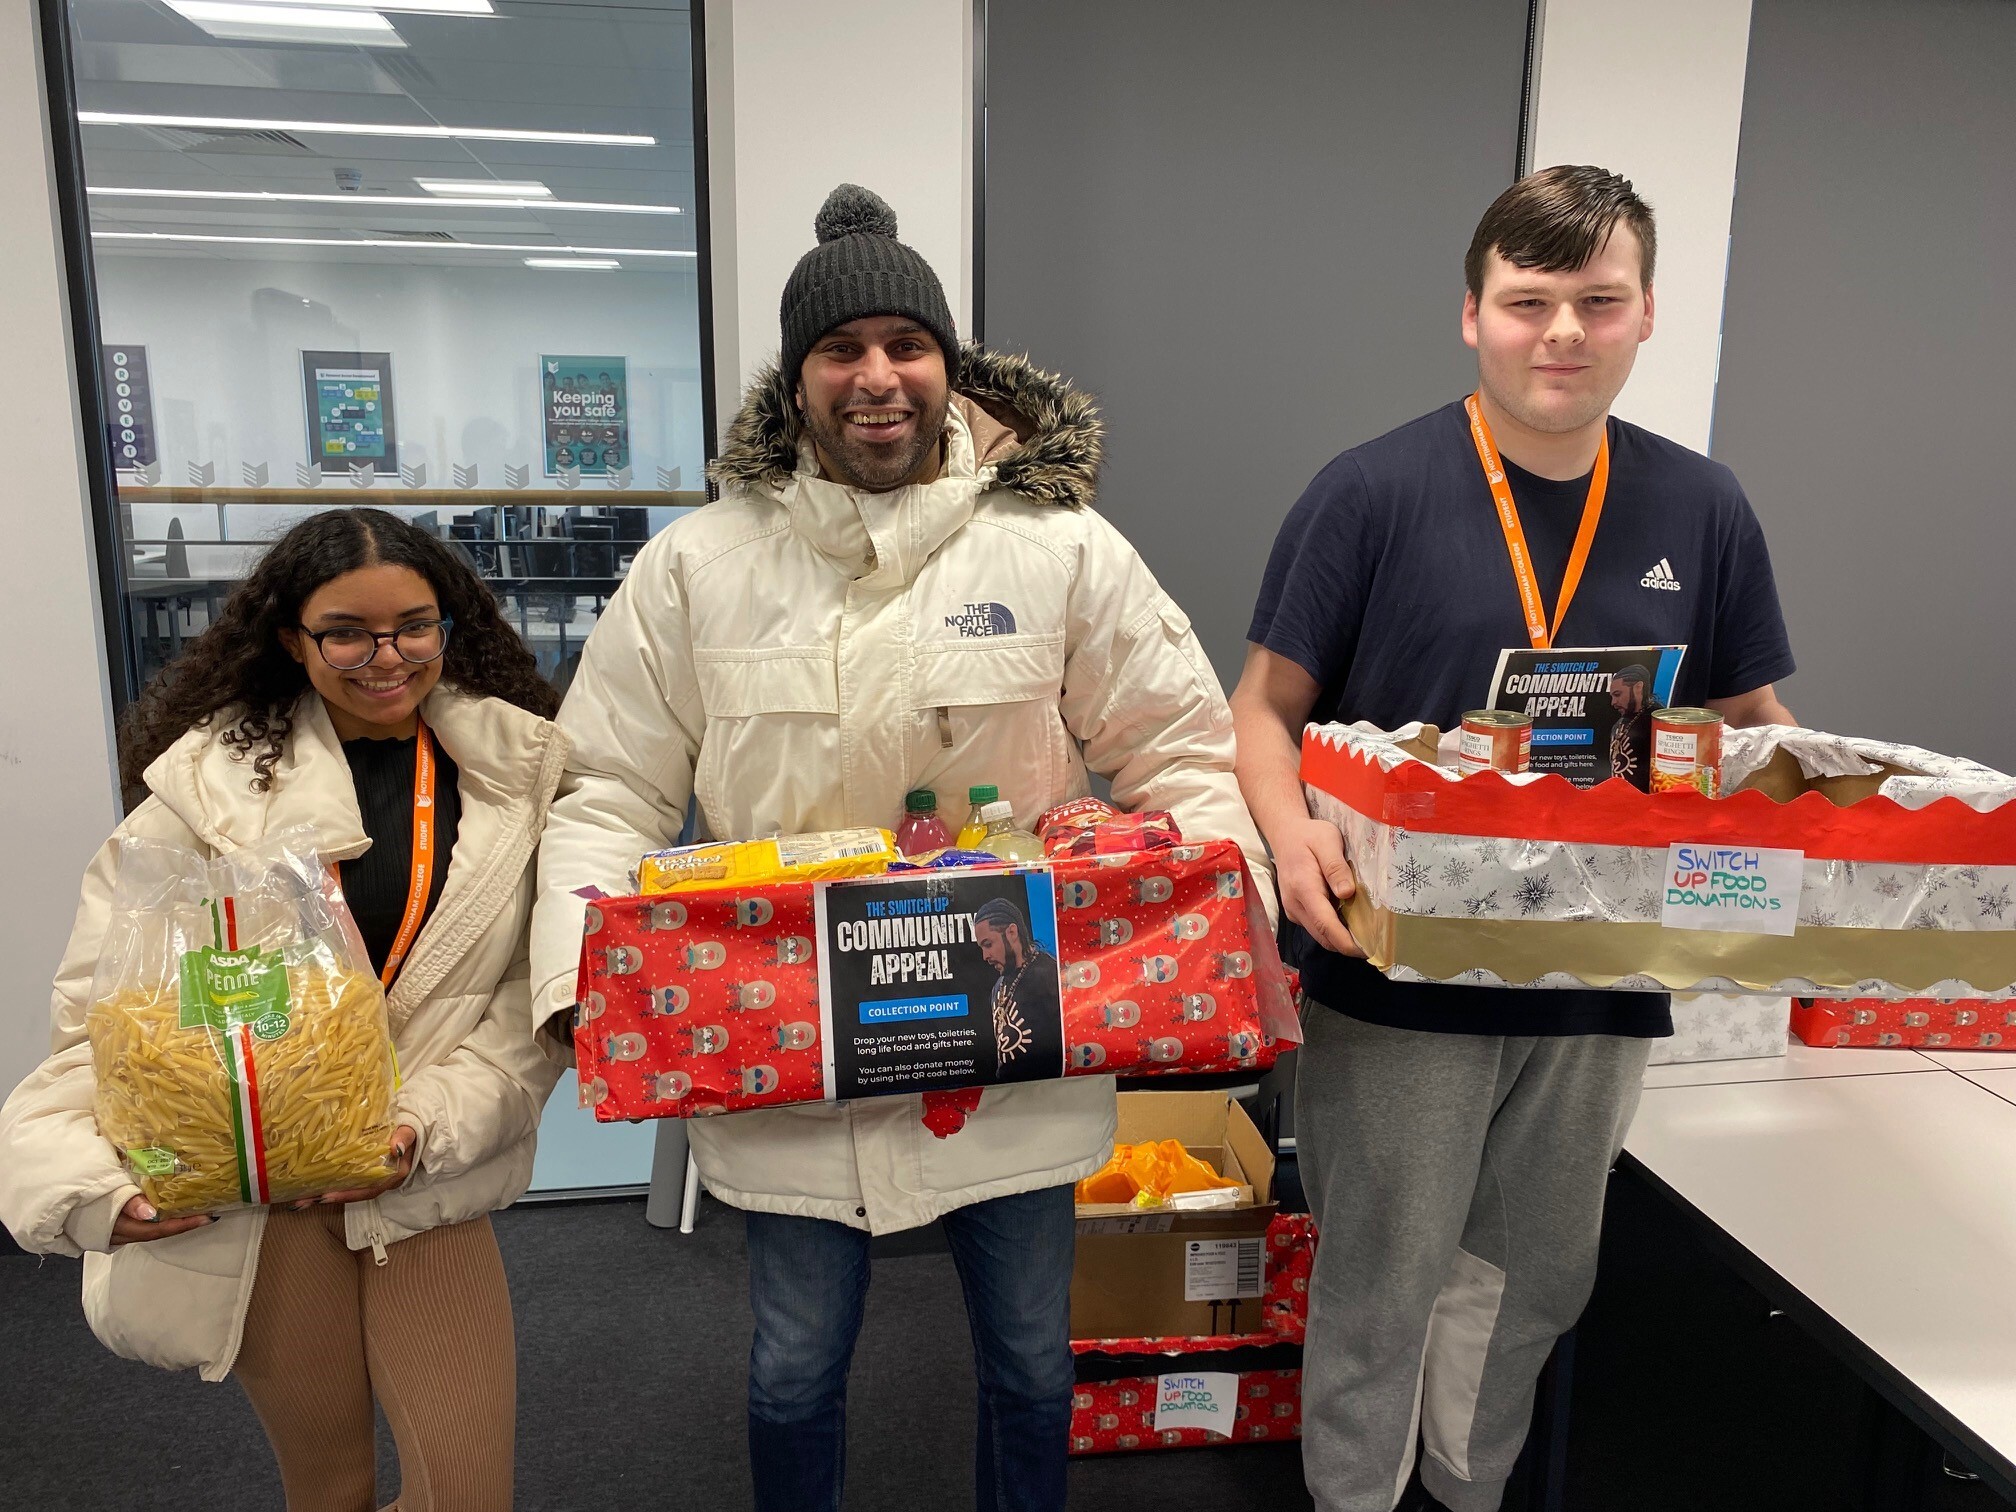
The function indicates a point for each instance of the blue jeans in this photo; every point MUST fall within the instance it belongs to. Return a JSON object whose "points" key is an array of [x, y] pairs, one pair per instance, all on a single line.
{"points": [[808, 1281]]}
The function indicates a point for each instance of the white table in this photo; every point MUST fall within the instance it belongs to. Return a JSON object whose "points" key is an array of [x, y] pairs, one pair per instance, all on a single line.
{"points": [[1873, 1194]]}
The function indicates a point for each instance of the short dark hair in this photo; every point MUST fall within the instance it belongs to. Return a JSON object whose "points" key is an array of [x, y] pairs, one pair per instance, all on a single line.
{"points": [[1556, 219]]}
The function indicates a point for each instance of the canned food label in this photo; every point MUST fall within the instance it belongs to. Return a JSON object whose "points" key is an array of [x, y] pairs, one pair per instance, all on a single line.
{"points": [[1736, 889], [1680, 746]]}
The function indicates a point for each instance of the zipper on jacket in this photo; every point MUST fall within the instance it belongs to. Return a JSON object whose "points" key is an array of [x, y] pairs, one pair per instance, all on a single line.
{"points": [[374, 1230], [945, 726]]}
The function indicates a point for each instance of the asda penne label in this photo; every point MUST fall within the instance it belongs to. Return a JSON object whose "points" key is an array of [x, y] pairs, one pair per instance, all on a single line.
{"points": [[224, 988]]}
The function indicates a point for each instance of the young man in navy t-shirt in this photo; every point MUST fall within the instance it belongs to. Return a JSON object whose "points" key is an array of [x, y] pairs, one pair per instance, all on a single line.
{"points": [[1454, 1141]]}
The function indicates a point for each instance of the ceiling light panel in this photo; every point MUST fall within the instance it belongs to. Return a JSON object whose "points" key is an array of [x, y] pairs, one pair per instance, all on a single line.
{"points": [[430, 201], [353, 241], [251, 21], [363, 128], [410, 7], [586, 264], [514, 189]]}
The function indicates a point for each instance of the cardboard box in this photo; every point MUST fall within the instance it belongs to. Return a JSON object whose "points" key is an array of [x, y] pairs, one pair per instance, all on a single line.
{"points": [[1121, 1380], [1839, 867], [1160, 1272]]}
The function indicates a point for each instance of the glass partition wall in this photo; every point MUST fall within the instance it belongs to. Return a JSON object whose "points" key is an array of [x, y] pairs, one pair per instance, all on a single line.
{"points": [[437, 256]]}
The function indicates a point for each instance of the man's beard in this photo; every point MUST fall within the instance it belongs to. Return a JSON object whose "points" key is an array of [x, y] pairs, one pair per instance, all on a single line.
{"points": [[861, 463]]}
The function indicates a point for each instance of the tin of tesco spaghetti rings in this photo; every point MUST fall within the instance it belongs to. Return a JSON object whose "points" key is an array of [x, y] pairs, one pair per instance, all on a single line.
{"points": [[1494, 740], [1687, 751]]}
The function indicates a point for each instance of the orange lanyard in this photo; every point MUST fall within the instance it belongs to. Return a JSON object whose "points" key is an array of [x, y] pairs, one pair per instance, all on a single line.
{"points": [[1537, 627], [423, 854]]}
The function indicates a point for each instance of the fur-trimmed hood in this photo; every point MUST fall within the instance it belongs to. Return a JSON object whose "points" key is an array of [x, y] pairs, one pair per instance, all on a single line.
{"points": [[1053, 456]]}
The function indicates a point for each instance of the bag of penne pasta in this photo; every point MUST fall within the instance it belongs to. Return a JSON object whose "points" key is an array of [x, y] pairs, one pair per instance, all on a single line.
{"points": [[237, 1031]]}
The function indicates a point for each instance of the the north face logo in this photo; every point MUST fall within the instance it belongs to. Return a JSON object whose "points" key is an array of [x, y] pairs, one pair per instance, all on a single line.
{"points": [[983, 619]]}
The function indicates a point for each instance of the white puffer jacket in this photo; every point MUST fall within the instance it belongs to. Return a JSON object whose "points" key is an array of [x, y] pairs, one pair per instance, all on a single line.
{"points": [[799, 655], [475, 1077]]}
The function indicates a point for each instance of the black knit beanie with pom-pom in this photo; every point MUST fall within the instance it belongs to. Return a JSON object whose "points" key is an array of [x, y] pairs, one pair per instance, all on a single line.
{"points": [[859, 268]]}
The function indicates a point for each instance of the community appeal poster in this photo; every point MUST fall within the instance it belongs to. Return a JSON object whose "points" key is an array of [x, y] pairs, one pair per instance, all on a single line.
{"points": [[349, 399], [939, 979], [584, 406], [1591, 709]]}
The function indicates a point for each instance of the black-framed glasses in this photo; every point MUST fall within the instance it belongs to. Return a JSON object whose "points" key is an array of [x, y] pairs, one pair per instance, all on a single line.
{"points": [[348, 647]]}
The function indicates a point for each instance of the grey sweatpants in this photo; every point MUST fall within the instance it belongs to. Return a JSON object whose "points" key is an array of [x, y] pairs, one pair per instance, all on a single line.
{"points": [[1457, 1183]]}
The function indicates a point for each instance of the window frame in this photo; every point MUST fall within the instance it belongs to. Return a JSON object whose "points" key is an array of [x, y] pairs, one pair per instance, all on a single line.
{"points": [[121, 643]]}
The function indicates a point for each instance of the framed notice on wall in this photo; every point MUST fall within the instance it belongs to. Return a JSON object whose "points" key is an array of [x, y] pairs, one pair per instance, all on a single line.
{"points": [[584, 411], [129, 406], [349, 406]]}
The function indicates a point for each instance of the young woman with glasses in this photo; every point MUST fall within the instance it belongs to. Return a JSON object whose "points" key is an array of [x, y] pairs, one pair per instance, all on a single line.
{"points": [[359, 680]]}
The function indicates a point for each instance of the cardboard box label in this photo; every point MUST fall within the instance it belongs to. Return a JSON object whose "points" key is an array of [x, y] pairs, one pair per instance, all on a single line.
{"points": [[939, 980], [1737, 889], [1224, 1270], [1207, 1399]]}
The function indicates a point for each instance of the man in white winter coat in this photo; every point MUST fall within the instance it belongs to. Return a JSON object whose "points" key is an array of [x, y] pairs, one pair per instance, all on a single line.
{"points": [[902, 585]]}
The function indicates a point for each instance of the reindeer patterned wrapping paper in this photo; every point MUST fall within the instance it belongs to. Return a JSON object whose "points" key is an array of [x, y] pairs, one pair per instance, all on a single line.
{"points": [[709, 1001]]}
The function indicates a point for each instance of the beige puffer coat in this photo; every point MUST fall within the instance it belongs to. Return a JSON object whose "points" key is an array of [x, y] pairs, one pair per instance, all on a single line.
{"points": [[799, 654], [475, 1075]]}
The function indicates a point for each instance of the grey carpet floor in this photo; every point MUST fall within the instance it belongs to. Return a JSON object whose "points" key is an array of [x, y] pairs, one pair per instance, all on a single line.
{"points": [[632, 1346], [631, 1379]]}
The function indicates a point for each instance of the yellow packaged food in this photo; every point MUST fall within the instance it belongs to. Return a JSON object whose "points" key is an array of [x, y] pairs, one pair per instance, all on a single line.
{"points": [[238, 1035], [825, 857]]}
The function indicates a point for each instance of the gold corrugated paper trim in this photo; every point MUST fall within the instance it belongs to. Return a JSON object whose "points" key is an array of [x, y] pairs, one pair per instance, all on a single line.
{"points": [[1602, 954]]}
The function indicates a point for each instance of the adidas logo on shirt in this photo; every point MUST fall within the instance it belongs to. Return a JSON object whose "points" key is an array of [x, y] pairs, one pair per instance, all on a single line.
{"points": [[1661, 576]]}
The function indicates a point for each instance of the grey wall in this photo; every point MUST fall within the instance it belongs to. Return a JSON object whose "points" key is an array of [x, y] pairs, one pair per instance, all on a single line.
{"points": [[1866, 398], [1243, 228]]}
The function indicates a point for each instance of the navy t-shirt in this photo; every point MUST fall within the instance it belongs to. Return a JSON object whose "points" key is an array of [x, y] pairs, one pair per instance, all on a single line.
{"points": [[1389, 584]]}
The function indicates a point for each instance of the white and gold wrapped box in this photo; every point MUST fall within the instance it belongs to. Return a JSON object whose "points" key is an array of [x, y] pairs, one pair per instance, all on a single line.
{"points": [[1881, 870]]}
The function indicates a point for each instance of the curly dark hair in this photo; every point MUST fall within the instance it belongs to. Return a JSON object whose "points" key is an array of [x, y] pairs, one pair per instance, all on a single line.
{"points": [[239, 661]]}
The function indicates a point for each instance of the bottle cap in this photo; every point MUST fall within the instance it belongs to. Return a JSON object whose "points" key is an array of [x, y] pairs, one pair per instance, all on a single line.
{"points": [[979, 795], [920, 800], [991, 812]]}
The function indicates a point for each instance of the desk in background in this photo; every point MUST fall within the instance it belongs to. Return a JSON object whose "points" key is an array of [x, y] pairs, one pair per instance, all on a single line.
{"points": [[1872, 1195]]}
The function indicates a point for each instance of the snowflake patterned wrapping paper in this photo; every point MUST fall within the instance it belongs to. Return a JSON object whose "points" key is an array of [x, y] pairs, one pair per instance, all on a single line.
{"points": [[1931, 1023], [1719, 1028], [1906, 885], [709, 1001]]}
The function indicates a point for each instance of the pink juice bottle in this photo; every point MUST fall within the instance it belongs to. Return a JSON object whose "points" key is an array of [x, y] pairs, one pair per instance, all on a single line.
{"points": [[922, 831]]}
